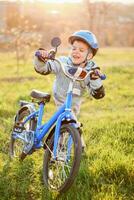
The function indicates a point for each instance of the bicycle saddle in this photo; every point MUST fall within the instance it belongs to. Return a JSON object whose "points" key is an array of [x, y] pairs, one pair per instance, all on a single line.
{"points": [[40, 95]]}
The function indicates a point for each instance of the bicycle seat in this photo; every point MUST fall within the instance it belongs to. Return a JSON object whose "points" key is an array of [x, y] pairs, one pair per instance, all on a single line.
{"points": [[40, 95]]}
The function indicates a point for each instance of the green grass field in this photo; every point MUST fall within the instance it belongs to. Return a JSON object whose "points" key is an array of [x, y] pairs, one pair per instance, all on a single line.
{"points": [[107, 169]]}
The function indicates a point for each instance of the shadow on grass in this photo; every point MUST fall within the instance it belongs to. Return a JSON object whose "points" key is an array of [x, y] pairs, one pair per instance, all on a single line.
{"points": [[101, 183], [16, 179], [21, 180], [80, 190]]}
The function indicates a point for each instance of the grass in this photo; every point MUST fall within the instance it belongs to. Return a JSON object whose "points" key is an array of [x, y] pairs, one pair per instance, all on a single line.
{"points": [[107, 169]]}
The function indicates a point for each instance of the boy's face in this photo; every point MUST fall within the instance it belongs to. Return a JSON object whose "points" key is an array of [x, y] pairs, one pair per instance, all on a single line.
{"points": [[79, 52]]}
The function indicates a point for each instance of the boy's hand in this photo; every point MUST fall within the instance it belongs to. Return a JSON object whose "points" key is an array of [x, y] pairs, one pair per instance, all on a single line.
{"points": [[96, 73], [42, 54]]}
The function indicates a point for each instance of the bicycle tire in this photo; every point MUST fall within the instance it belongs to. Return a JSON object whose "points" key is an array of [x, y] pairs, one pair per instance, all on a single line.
{"points": [[31, 125], [73, 132]]}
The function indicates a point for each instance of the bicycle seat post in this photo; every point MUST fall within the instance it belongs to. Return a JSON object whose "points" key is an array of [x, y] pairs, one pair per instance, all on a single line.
{"points": [[41, 112], [69, 96]]}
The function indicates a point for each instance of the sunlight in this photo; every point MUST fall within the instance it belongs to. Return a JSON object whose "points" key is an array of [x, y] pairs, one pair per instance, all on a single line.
{"points": [[54, 12], [61, 1], [71, 1], [51, 1]]}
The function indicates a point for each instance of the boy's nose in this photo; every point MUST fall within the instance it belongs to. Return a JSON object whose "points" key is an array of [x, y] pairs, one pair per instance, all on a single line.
{"points": [[76, 51]]}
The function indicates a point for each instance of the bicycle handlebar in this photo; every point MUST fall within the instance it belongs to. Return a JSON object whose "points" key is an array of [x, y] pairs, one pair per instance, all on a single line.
{"points": [[102, 76], [51, 56]]}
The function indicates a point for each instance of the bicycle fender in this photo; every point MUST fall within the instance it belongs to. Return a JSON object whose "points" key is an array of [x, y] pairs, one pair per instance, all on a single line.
{"points": [[29, 107], [71, 121], [51, 133]]}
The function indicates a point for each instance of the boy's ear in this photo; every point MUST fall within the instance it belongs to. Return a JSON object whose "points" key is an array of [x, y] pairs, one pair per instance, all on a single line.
{"points": [[90, 56]]}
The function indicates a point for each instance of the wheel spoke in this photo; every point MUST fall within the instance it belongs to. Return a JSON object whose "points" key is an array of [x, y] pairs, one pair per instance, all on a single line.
{"points": [[61, 167], [59, 173]]}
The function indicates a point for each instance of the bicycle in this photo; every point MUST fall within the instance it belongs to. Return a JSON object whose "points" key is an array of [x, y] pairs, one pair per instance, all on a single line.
{"points": [[62, 142]]}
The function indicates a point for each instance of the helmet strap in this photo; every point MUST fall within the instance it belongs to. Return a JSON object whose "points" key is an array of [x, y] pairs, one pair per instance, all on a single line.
{"points": [[85, 61]]}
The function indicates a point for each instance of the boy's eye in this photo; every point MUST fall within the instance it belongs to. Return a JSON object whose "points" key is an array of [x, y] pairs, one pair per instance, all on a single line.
{"points": [[81, 50], [75, 48]]}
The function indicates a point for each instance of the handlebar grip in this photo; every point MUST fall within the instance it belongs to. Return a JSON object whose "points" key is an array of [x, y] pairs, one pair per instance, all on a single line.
{"points": [[37, 53], [103, 77], [50, 56]]}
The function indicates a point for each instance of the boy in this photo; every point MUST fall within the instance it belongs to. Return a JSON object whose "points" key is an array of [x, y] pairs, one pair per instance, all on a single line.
{"points": [[84, 46]]}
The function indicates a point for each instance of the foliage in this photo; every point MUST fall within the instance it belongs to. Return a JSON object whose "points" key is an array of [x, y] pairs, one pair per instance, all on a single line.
{"points": [[113, 23], [107, 167]]}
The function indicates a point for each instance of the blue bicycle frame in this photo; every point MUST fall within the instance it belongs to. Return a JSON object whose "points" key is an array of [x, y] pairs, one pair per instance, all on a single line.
{"points": [[63, 113]]}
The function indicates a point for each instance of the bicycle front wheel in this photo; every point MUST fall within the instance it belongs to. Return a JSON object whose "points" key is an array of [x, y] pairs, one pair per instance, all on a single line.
{"points": [[59, 173]]}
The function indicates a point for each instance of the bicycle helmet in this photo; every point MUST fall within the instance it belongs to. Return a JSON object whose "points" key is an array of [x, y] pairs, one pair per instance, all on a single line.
{"points": [[87, 37]]}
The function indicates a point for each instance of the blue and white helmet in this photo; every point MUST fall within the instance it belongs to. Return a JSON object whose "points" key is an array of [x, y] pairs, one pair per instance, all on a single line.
{"points": [[87, 37]]}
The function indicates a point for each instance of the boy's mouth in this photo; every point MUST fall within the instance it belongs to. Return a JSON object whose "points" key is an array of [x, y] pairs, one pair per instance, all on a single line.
{"points": [[76, 57]]}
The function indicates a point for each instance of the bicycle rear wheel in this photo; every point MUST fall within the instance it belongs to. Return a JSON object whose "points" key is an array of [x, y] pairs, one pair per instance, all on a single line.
{"points": [[59, 174], [17, 145]]}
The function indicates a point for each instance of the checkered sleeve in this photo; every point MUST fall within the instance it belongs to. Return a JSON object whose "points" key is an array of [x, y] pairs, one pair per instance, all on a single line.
{"points": [[47, 67]]}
